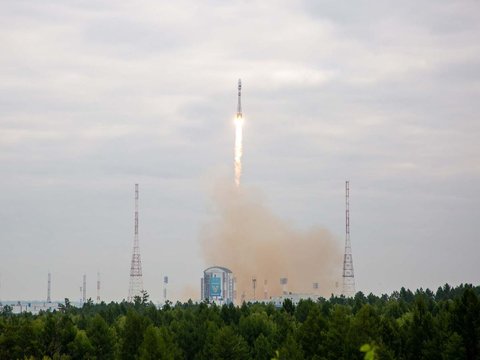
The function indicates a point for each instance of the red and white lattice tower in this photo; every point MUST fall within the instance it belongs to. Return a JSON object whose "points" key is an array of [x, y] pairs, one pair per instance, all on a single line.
{"points": [[98, 287], [49, 289], [348, 276], [136, 282], [84, 289]]}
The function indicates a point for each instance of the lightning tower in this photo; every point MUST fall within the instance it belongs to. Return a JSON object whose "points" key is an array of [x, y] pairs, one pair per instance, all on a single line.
{"points": [[49, 290], [136, 282], [84, 289], [98, 287], [348, 276], [165, 283]]}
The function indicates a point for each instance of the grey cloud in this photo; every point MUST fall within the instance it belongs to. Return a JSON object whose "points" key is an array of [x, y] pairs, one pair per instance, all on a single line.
{"points": [[95, 97]]}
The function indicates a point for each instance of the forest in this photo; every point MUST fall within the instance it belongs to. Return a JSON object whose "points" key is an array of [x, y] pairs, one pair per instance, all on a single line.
{"points": [[404, 325]]}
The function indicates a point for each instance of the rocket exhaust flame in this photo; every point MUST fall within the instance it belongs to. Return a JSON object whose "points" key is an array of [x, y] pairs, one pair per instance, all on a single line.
{"points": [[238, 137], [238, 149]]}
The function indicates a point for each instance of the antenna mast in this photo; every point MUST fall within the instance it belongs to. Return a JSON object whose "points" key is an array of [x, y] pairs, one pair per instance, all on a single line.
{"points": [[49, 290], [348, 276], [165, 283], [136, 281], [84, 289], [98, 287]]}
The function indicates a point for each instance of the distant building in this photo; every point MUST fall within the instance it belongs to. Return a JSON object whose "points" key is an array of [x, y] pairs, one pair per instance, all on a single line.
{"points": [[33, 307], [295, 298], [217, 285]]}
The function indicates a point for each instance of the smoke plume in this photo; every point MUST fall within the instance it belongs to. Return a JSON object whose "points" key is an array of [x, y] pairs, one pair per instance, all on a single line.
{"points": [[249, 239]]}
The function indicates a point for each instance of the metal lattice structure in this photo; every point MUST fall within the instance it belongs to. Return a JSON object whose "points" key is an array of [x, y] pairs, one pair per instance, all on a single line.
{"points": [[49, 289], [136, 281], [84, 289], [98, 287], [348, 274], [165, 284]]}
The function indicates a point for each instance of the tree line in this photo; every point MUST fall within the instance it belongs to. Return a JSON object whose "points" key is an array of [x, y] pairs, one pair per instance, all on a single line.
{"points": [[404, 325]]}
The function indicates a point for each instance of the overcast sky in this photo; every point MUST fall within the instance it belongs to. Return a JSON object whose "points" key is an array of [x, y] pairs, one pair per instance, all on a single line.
{"points": [[96, 96]]}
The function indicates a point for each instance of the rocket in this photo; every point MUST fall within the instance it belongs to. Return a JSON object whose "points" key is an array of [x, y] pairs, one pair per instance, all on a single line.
{"points": [[239, 105]]}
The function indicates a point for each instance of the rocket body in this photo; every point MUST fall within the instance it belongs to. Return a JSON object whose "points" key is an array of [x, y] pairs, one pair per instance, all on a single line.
{"points": [[239, 105], [238, 137]]}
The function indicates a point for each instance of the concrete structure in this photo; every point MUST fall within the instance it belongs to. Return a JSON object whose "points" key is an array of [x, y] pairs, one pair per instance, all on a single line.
{"points": [[295, 298], [33, 307], [218, 285]]}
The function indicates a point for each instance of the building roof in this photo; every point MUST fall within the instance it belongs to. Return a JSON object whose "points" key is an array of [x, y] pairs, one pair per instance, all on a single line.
{"points": [[219, 268]]}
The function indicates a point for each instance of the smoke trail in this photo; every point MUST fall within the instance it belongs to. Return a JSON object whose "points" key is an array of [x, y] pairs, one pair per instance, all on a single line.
{"points": [[238, 148], [249, 239]]}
